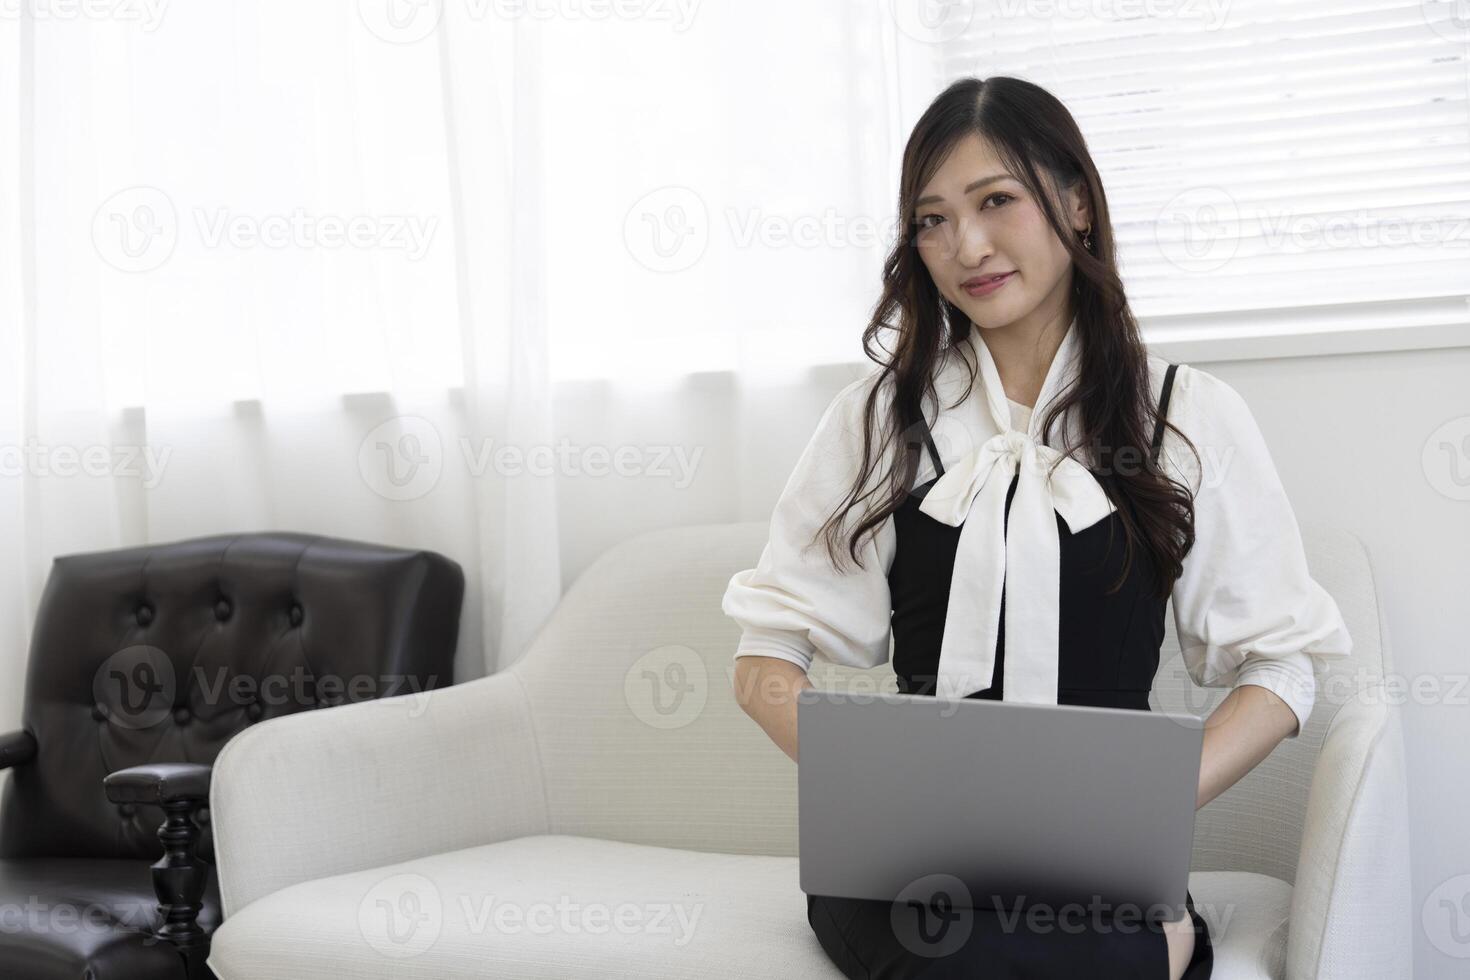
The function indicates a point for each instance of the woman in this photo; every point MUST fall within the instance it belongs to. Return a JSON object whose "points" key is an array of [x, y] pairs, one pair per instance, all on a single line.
{"points": [[1009, 499]]}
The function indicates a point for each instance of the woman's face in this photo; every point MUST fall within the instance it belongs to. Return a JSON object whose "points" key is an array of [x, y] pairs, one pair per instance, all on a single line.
{"points": [[975, 221]]}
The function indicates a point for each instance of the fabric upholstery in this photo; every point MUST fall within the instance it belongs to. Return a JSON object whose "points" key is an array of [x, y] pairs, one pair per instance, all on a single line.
{"points": [[548, 907], [620, 725]]}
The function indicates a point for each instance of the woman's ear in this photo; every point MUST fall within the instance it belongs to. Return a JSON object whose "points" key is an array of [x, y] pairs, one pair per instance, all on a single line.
{"points": [[1079, 210]]}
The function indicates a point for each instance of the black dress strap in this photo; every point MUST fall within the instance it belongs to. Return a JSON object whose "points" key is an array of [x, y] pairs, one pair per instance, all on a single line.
{"points": [[933, 453], [1163, 413]]}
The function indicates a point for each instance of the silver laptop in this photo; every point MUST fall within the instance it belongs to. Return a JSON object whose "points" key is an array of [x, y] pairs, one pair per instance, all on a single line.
{"points": [[996, 804]]}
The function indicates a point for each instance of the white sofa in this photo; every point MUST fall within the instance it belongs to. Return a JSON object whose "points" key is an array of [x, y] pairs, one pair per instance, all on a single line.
{"points": [[605, 809]]}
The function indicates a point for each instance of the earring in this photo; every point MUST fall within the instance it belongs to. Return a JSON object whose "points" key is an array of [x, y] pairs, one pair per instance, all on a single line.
{"points": [[1087, 238]]}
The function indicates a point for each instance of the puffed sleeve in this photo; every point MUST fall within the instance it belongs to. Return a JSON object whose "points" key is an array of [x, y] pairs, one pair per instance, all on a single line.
{"points": [[794, 602], [1246, 609]]}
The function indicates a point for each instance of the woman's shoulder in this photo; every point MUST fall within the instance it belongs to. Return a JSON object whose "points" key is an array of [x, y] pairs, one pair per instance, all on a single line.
{"points": [[1212, 416], [1195, 393]]}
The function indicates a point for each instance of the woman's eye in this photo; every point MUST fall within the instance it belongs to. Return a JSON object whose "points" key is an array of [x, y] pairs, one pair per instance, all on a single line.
{"points": [[923, 221], [998, 194]]}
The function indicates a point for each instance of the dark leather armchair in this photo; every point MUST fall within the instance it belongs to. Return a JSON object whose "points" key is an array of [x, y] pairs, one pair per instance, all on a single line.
{"points": [[144, 662]]}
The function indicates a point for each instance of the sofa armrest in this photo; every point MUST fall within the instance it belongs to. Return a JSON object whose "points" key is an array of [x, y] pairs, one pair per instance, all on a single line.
{"points": [[1351, 913], [16, 749], [180, 876], [164, 782], [363, 785]]}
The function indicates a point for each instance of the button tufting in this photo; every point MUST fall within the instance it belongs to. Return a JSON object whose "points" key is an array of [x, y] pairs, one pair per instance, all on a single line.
{"points": [[182, 716], [144, 614], [126, 809], [296, 614], [222, 610], [99, 713], [202, 817], [253, 711]]}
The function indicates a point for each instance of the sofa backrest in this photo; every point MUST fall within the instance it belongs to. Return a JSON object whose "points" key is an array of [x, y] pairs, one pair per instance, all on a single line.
{"points": [[630, 684], [163, 652]]}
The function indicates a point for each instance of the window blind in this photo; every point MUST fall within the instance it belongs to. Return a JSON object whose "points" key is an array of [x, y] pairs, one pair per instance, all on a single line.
{"points": [[1260, 155]]}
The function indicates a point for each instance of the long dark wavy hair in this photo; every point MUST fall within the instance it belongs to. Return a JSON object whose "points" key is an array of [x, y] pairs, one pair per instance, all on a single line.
{"points": [[1041, 145]]}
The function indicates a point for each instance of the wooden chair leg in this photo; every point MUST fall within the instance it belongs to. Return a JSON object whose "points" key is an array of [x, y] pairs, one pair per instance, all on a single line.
{"points": [[179, 878]]}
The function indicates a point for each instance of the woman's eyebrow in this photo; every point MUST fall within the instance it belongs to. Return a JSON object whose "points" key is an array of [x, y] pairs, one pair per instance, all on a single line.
{"points": [[933, 198]]}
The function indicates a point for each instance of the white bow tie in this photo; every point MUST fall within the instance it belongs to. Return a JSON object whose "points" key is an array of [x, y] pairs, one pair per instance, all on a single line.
{"points": [[1024, 563]]}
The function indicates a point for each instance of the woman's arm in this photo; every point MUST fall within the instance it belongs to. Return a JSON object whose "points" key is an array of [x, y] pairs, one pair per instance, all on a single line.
{"points": [[766, 688], [1239, 733]]}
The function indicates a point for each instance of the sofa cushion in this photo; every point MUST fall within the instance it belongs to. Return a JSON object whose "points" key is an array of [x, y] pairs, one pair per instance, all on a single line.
{"points": [[557, 906]]}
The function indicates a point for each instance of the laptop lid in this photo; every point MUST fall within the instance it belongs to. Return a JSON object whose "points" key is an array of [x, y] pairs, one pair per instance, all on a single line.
{"points": [[996, 804]]}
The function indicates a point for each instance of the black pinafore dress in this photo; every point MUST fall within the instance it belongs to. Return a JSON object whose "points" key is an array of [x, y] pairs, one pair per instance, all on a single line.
{"points": [[1108, 653]]}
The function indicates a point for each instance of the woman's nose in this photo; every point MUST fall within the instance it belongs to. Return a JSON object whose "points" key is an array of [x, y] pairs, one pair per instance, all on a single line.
{"points": [[972, 245]]}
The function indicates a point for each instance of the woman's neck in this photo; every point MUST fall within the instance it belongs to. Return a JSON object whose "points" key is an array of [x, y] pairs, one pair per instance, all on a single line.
{"points": [[1023, 355]]}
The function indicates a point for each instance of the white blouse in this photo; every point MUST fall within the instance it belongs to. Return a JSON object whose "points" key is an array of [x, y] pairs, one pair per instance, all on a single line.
{"points": [[1246, 610]]}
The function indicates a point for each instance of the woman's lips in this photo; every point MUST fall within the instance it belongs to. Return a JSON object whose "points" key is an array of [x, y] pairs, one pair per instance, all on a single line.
{"points": [[987, 286]]}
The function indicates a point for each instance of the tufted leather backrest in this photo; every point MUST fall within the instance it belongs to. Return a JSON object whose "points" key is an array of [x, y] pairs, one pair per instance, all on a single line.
{"points": [[640, 737], [161, 653]]}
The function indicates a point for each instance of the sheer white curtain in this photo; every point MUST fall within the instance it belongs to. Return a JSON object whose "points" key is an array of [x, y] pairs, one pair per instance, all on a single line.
{"points": [[511, 282]]}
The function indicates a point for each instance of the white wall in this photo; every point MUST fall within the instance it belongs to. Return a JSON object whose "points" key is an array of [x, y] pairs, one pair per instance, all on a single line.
{"points": [[1347, 433]]}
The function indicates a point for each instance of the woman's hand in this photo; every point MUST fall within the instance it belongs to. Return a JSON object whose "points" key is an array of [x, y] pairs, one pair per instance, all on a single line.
{"points": [[1242, 731]]}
